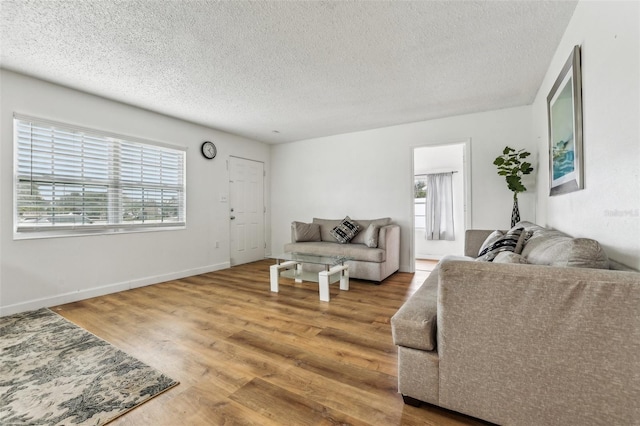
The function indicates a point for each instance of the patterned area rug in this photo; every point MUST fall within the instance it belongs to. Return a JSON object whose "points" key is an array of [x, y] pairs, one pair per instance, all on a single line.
{"points": [[53, 372]]}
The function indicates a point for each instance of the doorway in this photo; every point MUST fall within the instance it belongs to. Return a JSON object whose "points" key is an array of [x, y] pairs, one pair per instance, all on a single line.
{"points": [[435, 159], [246, 210]]}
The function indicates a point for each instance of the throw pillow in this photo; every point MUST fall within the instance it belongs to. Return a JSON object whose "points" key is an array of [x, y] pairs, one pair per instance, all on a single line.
{"points": [[345, 231], [509, 257], [524, 237], [371, 236], [492, 238], [508, 242], [364, 224], [305, 232]]}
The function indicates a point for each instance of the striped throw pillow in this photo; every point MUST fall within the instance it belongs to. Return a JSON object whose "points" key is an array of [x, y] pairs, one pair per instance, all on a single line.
{"points": [[509, 242], [345, 231]]}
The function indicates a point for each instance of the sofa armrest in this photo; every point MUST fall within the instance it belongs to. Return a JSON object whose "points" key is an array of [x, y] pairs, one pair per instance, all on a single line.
{"points": [[389, 241], [388, 235], [566, 339]]}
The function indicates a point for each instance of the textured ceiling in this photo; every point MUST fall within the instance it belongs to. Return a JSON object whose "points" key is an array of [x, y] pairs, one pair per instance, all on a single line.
{"points": [[306, 69]]}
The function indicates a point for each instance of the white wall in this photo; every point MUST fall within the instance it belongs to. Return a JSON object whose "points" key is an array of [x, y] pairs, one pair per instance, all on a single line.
{"points": [[44, 272], [368, 174], [435, 159], [608, 209]]}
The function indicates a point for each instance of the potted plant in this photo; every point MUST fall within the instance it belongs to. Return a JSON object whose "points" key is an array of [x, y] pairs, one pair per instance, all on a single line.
{"points": [[512, 165]]}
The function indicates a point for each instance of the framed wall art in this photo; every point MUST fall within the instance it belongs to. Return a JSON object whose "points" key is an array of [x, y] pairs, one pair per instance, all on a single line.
{"points": [[564, 107]]}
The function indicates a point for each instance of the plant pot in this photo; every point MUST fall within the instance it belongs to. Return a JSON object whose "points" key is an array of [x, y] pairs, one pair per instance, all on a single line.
{"points": [[515, 212]]}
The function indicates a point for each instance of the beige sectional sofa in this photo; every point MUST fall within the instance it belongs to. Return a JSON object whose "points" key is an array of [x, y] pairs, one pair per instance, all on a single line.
{"points": [[375, 249], [555, 341]]}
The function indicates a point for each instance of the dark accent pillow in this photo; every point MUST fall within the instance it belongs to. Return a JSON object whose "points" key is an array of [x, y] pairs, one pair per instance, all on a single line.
{"points": [[509, 242], [345, 231]]}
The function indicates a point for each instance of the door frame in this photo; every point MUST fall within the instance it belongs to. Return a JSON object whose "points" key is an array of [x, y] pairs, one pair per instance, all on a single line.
{"points": [[466, 161]]}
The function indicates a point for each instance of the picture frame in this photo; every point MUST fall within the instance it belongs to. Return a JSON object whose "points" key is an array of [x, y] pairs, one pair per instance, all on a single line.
{"points": [[564, 110]]}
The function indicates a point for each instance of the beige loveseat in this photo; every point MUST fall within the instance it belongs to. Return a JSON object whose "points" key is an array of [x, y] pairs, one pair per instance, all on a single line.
{"points": [[546, 343], [375, 249]]}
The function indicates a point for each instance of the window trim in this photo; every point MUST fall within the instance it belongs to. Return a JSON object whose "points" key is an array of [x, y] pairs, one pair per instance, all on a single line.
{"points": [[35, 232]]}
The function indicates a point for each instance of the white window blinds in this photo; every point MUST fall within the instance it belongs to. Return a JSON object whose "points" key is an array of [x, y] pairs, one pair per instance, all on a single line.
{"points": [[69, 178]]}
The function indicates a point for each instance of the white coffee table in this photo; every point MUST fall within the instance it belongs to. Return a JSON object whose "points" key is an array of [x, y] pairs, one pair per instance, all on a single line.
{"points": [[332, 265]]}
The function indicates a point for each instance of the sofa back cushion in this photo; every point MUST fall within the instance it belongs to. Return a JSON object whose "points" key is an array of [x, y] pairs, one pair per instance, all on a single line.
{"points": [[555, 248], [326, 225]]}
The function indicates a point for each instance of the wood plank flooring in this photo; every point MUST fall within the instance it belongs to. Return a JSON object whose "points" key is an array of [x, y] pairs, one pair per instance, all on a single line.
{"points": [[244, 355]]}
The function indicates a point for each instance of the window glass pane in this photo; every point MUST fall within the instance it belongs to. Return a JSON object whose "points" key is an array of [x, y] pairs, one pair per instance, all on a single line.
{"points": [[146, 205], [419, 188], [419, 212]]}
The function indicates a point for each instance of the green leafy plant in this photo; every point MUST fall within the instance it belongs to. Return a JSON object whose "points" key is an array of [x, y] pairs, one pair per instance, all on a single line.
{"points": [[512, 165]]}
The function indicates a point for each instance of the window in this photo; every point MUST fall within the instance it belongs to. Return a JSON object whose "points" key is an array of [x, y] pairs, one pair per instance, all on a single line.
{"points": [[70, 180]]}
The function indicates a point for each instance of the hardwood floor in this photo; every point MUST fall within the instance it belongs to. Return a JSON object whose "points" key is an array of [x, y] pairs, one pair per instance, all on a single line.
{"points": [[244, 355], [425, 264]]}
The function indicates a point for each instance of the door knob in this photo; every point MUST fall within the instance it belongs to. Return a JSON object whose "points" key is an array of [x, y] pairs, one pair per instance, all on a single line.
{"points": [[233, 217]]}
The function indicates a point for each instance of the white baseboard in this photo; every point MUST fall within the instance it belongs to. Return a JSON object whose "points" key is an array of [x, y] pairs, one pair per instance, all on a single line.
{"points": [[75, 296]]}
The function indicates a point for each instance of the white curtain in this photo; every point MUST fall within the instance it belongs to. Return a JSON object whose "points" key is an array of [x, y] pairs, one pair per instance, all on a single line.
{"points": [[439, 207]]}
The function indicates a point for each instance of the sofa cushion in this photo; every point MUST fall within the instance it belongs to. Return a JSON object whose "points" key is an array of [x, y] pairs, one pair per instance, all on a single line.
{"points": [[305, 231], [555, 248], [371, 236], [512, 241], [359, 252], [345, 230]]}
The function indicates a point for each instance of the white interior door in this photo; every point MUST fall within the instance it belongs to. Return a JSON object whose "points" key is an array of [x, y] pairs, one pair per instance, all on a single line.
{"points": [[246, 210]]}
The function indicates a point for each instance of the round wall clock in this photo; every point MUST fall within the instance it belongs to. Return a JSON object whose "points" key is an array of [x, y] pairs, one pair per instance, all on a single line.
{"points": [[208, 150]]}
